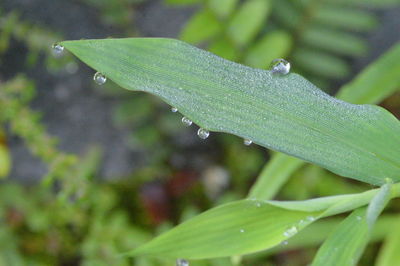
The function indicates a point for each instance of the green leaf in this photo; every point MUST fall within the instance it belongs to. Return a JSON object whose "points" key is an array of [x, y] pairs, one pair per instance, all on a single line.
{"points": [[390, 252], [285, 113], [317, 232], [334, 41], [248, 20], [372, 85], [346, 244], [222, 8], [275, 44], [201, 27], [320, 63], [235, 228], [376, 82], [346, 18], [247, 226]]}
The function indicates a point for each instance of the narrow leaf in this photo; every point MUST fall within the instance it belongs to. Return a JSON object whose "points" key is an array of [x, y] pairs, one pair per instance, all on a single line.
{"points": [[285, 113], [376, 82], [235, 228], [275, 44], [201, 27], [248, 20], [247, 226], [346, 244]]}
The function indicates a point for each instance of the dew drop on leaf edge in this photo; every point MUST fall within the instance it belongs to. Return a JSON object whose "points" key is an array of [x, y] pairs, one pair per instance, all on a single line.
{"points": [[99, 78], [182, 262], [247, 142], [57, 49], [174, 109], [291, 231], [280, 66], [186, 121], [203, 133]]}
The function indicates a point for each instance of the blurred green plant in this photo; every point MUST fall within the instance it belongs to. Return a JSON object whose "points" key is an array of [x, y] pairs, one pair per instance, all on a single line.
{"points": [[318, 37]]}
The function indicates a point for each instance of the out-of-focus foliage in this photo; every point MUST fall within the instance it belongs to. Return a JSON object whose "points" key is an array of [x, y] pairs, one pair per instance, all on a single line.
{"points": [[317, 37], [72, 218]]}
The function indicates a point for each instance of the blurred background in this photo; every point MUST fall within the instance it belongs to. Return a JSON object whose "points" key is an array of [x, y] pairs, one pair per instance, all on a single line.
{"points": [[89, 171]]}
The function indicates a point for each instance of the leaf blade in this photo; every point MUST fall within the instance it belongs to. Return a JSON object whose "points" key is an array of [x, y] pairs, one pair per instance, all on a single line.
{"points": [[285, 113]]}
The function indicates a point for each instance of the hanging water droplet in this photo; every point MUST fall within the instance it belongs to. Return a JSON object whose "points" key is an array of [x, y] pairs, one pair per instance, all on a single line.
{"points": [[247, 142], [182, 262], [99, 78], [186, 121], [57, 49], [203, 133], [174, 109], [291, 231], [241, 230], [280, 66]]}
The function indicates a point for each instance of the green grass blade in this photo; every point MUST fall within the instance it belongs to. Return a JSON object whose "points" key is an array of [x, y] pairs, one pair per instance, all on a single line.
{"points": [[346, 243], [378, 81], [346, 18], [248, 20], [390, 252], [334, 41], [201, 27], [275, 44], [284, 113]]}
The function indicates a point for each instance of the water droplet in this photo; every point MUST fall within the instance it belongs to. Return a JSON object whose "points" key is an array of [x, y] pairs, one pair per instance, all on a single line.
{"points": [[310, 218], [203, 133], [182, 262], [280, 66], [99, 78], [241, 230], [285, 242], [174, 109], [186, 121], [247, 142], [57, 49], [301, 222], [258, 204], [359, 218], [291, 231]]}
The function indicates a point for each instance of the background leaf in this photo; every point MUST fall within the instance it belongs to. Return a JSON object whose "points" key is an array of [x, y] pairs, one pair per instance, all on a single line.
{"points": [[390, 252]]}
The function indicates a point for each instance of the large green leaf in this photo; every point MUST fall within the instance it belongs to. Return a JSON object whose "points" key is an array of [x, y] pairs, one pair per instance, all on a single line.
{"points": [[284, 113], [377, 81]]}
